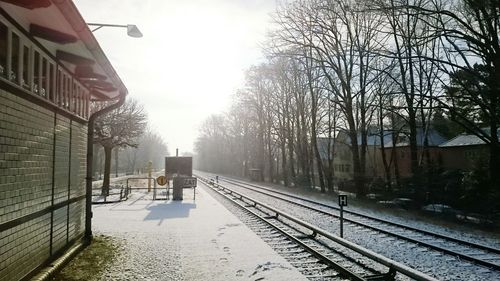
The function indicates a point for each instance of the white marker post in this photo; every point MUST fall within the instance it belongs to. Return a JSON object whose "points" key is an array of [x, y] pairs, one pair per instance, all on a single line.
{"points": [[342, 203]]}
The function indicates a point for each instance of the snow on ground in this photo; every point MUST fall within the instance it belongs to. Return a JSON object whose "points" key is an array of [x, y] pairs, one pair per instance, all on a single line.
{"points": [[186, 240], [434, 224], [441, 266]]}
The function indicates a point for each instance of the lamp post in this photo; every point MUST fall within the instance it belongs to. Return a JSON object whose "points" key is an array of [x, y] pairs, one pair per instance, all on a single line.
{"points": [[132, 29]]}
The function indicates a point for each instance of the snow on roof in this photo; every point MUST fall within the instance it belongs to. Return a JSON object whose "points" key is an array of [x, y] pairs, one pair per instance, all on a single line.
{"points": [[466, 139], [463, 140], [323, 147], [372, 137], [434, 138]]}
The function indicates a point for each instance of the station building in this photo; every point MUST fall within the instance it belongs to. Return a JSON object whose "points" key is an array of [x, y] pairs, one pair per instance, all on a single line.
{"points": [[51, 70]]}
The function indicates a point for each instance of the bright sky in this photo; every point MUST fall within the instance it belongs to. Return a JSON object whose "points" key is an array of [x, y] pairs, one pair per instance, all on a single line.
{"points": [[191, 59]]}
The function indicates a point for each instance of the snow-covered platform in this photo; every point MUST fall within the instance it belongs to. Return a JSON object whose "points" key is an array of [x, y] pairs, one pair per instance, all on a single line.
{"points": [[186, 240]]}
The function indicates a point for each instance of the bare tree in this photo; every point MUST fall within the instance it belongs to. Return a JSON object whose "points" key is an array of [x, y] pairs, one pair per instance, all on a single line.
{"points": [[150, 147], [468, 32], [119, 128], [340, 40]]}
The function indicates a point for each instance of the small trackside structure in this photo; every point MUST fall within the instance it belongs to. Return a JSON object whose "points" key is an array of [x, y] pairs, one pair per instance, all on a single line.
{"points": [[51, 69], [178, 166], [180, 170]]}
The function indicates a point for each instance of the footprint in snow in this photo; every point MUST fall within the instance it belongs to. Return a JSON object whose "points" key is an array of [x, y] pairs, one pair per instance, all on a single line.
{"points": [[240, 273]]}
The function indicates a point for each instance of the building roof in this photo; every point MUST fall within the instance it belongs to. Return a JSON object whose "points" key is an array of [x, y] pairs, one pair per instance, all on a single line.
{"points": [[434, 138], [342, 138], [373, 138], [59, 27], [323, 147], [465, 139]]}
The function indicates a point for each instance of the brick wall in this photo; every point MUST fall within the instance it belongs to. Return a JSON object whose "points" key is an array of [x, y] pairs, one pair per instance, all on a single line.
{"points": [[42, 168]]}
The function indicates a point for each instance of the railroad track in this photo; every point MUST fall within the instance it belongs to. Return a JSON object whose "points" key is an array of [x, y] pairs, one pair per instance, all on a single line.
{"points": [[317, 254], [465, 250]]}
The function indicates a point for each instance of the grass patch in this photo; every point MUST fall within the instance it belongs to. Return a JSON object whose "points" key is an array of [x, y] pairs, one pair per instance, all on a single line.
{"points": [[91, 262]]}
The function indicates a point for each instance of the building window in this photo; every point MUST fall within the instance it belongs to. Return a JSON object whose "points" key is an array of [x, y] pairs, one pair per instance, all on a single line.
{"points": [[68, 92], [60, 87], [79, 101], [74, 98], [44, 79], [52, 88], [86, 99], [4, 34], [14, 68], [37, 79], [471, 154], [64, 90], [25, 81]]}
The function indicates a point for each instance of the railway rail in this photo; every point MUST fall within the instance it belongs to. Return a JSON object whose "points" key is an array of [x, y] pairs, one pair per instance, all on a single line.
{"points": [[465, 250], [318, 254]]}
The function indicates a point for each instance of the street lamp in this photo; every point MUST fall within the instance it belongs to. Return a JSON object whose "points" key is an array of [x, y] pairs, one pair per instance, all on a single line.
{"points": [[132, 29]]}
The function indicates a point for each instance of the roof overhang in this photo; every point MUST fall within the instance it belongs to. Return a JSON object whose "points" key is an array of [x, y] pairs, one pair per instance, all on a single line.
{"points": [[59, 27]]}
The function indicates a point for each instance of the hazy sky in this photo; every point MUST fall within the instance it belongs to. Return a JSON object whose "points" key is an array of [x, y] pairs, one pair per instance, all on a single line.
{"points": [[191, 59]]}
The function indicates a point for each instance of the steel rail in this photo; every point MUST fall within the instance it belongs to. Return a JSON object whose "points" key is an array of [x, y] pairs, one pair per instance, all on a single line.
{"points": [[405, 270], [413, 240], [312, 251], [427, 232]]}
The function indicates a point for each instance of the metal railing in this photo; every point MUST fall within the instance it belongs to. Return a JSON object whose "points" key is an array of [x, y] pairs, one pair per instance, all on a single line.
{"points": [[406, 270], [129, 188], [122, 193]]}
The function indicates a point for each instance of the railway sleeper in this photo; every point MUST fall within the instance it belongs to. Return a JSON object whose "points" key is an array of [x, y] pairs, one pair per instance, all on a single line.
{"points": [[287, 251], [323, 276], [272, 235], [311, 261], [319, 267], [301, 256], [282, 243], [285, 247]]}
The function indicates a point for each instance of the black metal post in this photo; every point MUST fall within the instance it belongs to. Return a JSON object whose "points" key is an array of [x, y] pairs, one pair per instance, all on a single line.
{"points": [[341, 221], [90, 156]]}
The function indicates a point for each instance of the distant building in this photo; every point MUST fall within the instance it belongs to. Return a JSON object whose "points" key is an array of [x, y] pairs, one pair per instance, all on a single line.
{"points": [[464, 152], [342, 160], [342, 157], [400, 151], [325, 147]]}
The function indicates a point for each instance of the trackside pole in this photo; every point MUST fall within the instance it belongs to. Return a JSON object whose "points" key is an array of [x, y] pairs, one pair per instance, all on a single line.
{"points": [[342, 203], [150, 167], [341, 221]]}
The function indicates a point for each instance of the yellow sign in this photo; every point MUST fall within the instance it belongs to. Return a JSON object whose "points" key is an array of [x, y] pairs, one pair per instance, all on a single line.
{"points": [[161, 180]]}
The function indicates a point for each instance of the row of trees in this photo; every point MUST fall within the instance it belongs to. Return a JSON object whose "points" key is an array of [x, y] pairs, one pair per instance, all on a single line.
{"points": [[124, 131], [359, 67]]}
